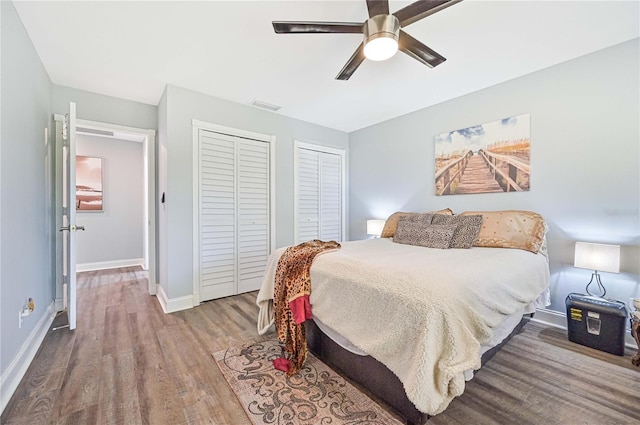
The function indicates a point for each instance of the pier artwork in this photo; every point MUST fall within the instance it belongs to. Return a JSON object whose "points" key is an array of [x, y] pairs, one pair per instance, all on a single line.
{"points": [[488, 158]]}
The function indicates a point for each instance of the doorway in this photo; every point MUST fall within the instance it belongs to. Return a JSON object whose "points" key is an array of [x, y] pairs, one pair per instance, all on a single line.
{"points": [[148, 221]]}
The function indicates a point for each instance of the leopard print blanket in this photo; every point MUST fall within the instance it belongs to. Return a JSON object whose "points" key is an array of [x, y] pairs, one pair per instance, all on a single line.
{"points": [[293, 281]]}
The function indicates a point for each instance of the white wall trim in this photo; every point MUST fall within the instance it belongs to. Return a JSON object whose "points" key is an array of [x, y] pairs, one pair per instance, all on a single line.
{"points": [[550, 318], [230, 131], [171, 305], [162, 298], [58, 304], [114, 264], [559, 320], [149, 219], [195, 133], [20, 363]]}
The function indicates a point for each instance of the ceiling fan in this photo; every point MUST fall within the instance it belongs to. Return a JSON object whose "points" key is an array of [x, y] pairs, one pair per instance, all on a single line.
{"points": [[382, 33]]}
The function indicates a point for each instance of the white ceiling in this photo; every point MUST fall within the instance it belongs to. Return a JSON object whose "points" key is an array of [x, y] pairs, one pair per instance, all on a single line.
{"points": [[228, 49]]}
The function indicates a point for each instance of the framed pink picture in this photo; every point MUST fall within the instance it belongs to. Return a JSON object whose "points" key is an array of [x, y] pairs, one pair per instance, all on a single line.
{"points": [[88, 183]]}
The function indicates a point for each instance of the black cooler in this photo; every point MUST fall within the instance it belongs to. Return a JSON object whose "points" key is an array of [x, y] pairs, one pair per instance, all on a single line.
{"points": [[597, 323]]}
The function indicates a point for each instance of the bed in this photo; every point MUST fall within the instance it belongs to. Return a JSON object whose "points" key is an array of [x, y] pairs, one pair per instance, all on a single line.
{"points": [[412, 323]]}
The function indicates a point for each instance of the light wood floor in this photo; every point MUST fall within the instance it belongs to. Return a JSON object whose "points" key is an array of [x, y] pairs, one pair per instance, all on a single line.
{"points": [[129, 363]]}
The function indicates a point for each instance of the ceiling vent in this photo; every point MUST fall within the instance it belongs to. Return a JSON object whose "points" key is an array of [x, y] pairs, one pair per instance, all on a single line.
{"points": [[265, 105]]}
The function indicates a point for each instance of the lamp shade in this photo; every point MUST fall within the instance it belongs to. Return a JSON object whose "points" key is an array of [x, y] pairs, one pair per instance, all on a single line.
{"points": [[374, 227], [597, 256]]}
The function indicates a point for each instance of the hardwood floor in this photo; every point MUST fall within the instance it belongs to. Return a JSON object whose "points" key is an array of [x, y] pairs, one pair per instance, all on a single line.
{"points": [[129, 363]]}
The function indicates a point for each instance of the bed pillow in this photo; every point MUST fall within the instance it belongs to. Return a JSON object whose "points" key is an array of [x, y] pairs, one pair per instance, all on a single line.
{"points": [[391, 224], [467, 228], [510, 229], [430, 236]]}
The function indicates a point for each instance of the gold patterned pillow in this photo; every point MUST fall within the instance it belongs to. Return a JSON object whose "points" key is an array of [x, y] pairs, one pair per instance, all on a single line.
{"points": [[510, 229], [391, 224]]}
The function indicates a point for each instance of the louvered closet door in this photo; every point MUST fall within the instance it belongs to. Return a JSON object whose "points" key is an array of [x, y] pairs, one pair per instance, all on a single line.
{"points": [[234, 216], [308, 185], [330, 197], [218, 265], [253, 219], [319, 195]]}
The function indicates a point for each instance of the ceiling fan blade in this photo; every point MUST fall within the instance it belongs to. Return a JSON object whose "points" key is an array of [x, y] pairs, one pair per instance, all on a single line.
{"points": [[354, 62], [377, 7], [421, 9], [292, 27], [419, 51]]}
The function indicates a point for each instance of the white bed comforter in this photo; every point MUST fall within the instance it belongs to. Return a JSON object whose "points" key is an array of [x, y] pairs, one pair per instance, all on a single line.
{"points": [[422, 312]]}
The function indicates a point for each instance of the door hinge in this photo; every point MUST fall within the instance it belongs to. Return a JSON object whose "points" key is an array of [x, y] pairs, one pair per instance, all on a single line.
{"points": [[65, 124]]}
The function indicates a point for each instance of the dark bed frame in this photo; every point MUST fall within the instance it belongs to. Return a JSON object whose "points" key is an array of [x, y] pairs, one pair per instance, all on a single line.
{"points": [[375, 377]]}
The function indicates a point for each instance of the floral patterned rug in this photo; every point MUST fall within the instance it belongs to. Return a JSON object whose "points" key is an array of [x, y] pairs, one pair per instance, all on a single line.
{"points": [[315, 395]]}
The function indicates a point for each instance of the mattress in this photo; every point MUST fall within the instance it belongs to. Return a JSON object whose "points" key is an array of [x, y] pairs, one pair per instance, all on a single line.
{"points": [[500, 333], [428, 311]]}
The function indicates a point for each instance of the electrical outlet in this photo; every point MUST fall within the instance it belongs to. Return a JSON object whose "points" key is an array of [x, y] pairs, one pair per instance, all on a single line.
{"points": [[25, 311]]}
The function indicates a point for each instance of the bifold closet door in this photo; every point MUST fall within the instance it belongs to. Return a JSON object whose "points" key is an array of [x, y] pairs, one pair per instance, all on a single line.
{"points": [[234, 214], [308, 193], [253, 208], [330, 197], [218, 265], [319, 195]]}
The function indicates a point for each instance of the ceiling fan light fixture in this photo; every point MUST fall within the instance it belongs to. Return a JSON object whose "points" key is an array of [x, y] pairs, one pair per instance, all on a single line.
{"points": [[381, 37], [380, 48]]}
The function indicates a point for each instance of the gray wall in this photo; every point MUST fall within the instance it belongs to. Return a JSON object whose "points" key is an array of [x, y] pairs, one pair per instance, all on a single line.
{"points": [[181, 107], [25, 164], [116, 233], [106, 109], [585, 161]]}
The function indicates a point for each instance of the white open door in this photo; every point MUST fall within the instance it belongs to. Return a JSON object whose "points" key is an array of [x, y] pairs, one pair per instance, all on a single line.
{"points": [[68, 207]]}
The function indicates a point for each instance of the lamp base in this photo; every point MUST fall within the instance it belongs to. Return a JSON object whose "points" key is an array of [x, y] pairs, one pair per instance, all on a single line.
{"points": [[596, 276]]}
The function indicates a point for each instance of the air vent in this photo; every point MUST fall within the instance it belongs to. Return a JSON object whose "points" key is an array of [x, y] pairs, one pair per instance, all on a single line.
{"points": [[265, 105]]}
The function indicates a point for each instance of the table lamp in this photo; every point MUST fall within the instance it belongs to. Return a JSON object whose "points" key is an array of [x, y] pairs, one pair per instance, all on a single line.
{"points": [[599, 258], [374, 227]]}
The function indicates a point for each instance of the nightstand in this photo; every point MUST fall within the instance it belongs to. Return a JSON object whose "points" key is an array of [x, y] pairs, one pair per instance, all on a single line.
{"points": [[597, 322]]}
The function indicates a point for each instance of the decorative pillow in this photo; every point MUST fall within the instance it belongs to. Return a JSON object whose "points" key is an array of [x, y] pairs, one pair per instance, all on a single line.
{"points": [[391, 224], [430, 236], [510, 229], [422, 218], [467, 228]]}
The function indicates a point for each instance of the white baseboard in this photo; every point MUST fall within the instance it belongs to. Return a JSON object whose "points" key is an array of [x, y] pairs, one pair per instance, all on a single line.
{"points": [[550, 318], [171, 305], [559, 320], [59, 304], [20, 363], [103, 265]]}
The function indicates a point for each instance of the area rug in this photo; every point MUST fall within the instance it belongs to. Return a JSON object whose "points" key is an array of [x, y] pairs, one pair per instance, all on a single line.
{"points": [[315, 395]]}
